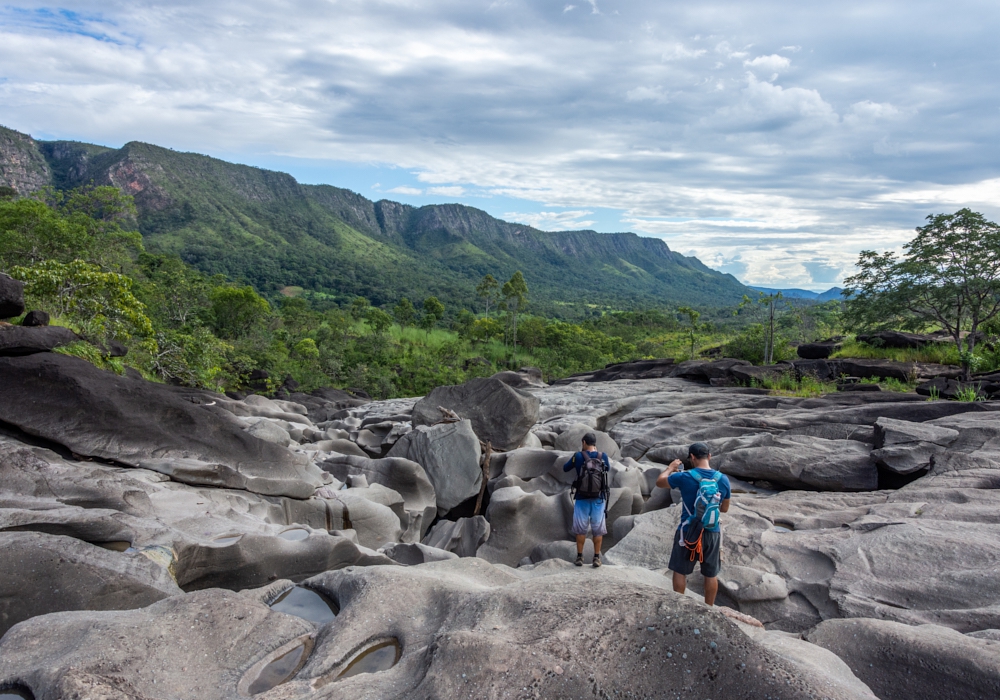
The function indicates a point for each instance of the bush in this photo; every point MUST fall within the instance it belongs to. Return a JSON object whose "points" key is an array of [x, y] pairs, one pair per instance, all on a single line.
{"points": [[749, 345]]}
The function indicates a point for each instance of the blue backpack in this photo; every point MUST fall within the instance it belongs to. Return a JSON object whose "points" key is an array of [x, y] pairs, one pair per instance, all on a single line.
{"points": [[706, 511]]}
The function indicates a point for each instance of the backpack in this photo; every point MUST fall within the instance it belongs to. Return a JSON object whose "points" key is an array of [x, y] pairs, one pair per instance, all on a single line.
{"points": [[706, 511], [593, 479]]}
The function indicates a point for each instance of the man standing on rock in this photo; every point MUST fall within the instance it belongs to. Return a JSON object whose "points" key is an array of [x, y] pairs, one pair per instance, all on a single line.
{"points": [[705, 493], [591, 493]]}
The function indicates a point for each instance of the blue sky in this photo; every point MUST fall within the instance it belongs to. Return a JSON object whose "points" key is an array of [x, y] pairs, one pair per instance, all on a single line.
{"points": [[774, 140]]}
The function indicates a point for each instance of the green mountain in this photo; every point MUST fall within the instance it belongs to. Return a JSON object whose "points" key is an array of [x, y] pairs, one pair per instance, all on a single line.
{"points": [[266, 228]]}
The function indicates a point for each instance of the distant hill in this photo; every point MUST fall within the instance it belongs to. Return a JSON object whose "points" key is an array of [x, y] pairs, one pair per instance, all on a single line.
{"points": [[831, 293], [265, 227]]}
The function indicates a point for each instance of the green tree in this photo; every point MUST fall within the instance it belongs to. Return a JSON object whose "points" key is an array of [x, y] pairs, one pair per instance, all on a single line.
{"points": [[101, 303], [378, 320], [515, 295], [692, 317], [237, 311], [174, 292], [531, 332], [433, 312], [766, 309], [949, 275], [359, 307], [404, 312], [487, 291]]}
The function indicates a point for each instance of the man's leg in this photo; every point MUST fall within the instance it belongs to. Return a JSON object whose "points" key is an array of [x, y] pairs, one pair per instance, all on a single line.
{"points": [[680, 582], [711, 588], [580, 541], [597, 544]]}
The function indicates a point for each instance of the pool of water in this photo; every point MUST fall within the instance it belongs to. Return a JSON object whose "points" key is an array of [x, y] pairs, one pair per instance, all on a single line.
{"points": [[119, 546], [307, 604], [380, 657], [295, 535], [278, 671], [781, 528], [227, 540], [16, 694]]}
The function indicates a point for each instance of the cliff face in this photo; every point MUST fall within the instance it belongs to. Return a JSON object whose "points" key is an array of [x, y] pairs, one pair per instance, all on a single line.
{"points": [[265, 227], [22, 166]]}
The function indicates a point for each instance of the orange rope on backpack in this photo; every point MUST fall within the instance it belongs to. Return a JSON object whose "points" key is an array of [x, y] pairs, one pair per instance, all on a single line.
{"points": [[695, 548]]}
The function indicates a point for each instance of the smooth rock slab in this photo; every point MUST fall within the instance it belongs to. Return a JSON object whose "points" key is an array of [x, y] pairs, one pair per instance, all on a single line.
{"points": [[499, 413], [143, 424], [27, 340], [11, 297], [450, 455]]}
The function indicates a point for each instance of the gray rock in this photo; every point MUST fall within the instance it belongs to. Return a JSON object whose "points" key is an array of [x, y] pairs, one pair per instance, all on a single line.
{"points": [[463, 536], [450, 455], [905, 447], [24, 340], [499, 413], [44, 573], [11, 297], [938, 662], [35, 318], [144, 424], [269, 431], [571, 439]]}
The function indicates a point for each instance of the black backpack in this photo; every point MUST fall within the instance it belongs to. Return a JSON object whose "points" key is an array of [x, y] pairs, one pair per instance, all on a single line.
{"points": [[593, 479]]}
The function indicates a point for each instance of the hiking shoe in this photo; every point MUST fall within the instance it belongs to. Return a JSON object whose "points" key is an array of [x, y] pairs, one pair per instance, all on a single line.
{"points": [[579, 560], [597, 561]]}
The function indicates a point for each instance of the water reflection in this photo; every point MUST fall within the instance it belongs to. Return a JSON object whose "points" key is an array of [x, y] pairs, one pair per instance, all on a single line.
{"points": [[226, 540], [307, 604], [380, 657], [294, 535], [279, 670]]}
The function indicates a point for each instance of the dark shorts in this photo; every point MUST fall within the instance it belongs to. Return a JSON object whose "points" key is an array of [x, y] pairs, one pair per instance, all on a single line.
{"points": [[680, 556]]}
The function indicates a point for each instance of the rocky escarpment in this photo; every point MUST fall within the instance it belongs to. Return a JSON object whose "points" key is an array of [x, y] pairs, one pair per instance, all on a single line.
{"points": [[22, 166], [336, 548]]}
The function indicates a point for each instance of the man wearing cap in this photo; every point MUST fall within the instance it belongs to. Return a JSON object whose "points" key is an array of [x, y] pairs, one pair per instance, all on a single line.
{"points": [[688, 482], [588, 507]]}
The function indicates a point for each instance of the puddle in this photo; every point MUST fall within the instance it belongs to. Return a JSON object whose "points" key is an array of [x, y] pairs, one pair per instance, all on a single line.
{"points": [[295, 535], [781, 528], [279, 670], [226, 540], [16, 694], [307, 604], [118, 546], [380, 657]]}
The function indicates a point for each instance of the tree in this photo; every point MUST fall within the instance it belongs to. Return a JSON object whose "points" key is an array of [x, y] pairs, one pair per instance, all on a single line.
{"points": [[359, 307], [379, 320], [765, 310], [102, 303], [531, 334], [487, 291], [692, 317], [515, 294], [949, 275], [237, 311], [404, 312], [433, 312]]}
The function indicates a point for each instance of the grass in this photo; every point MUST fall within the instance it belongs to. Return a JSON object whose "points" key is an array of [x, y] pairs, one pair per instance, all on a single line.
{"points": [[891, 384], [935, 353], [787, 385]]}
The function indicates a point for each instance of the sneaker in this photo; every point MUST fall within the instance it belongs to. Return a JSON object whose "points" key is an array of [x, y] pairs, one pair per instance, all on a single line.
{"points": [[597, 561], [579, 560]]}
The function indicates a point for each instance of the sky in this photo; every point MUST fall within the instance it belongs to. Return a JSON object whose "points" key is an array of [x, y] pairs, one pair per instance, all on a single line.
{"points": [[773, 140]]}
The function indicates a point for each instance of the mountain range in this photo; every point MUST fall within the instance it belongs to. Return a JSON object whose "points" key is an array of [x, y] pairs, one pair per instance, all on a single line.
{"points": [[266, 228], [829, 295]]}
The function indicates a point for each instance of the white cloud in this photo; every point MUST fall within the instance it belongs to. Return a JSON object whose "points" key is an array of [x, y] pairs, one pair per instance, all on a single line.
{"points": [[769, 64], [552, 220], [649, 94], [405, 189], [679, 52], [447, 191]]}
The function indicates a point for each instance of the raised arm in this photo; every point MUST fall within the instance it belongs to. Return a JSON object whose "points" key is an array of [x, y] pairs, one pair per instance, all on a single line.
{"points": [[672, 468], [571, 464]]}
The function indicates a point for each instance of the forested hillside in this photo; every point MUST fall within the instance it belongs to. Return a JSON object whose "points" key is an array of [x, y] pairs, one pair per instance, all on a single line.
{"points": [[265, 228]]}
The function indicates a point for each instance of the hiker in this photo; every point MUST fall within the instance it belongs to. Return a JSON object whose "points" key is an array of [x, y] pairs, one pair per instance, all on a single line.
{"points": [[705, 493], [591, 493]]}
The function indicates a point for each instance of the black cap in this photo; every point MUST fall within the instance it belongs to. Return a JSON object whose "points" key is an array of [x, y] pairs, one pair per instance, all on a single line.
{"points": [[590, 439], [699, 450]]}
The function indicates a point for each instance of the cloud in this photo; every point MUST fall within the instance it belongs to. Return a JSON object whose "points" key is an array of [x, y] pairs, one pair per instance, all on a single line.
{"points": [[668, 114], [552, 220], [822, 272], [769, 64]]}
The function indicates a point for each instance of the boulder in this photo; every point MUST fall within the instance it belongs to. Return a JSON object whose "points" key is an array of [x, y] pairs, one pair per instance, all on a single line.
{"points": [[817, 351], [905, 447], [144, 424], [11, 297], [938, 662], [571, 439], [27, 340], [637, 369], [210, 644], [35, 318], [898, 339], [703, 370], [463, 536], [499, 413], [750, 374], [450, 455], [520, 521], [269, 431], [44, 573]]}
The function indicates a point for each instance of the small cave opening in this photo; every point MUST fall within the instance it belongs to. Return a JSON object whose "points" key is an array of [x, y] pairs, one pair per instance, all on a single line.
{"points": [[890, 480]]}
